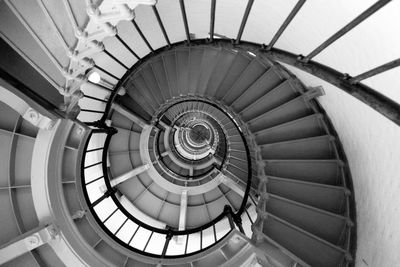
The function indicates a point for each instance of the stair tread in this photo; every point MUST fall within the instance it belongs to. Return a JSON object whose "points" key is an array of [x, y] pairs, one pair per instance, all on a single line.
{"points": [[248, 77], [321, 171], [319, 147], [196, 56], [182, 71], [239, 64], [265, 83], [170, 69], [308, 126], [325, 197], [313, 250], [209, 63], [289, 111]]}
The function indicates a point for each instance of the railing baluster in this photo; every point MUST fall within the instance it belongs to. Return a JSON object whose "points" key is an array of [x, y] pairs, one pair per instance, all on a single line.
{"points": [[360, 18], [116, 59], [167, 239], [201, 239], [161, 25], [134, 233], [185, 22], [109, 216], [212, 19], [91, 165], [94, 149], [382, 68], [244, 21], [95, 98], [186, 245], [106, 195], [291, 16], [215, 233], [120, 227], [148, 240], [91, 110], [127, 47], [94, 180], [142, 35], [106, 72]]}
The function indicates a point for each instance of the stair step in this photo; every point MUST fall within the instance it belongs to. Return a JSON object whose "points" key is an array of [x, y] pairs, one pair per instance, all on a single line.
{"points": [[182, 70], [273, 98], [308, 126], [141, 87], [325, 225], [268, 81], [294, 109], [248, 77], [217, 71], [159, 71], [320, 147], [307, 247], [137, 97], [316, 171], [209, 64], [195, 64], [151, 82], [326, 197], [170, 69], [235, 70]]}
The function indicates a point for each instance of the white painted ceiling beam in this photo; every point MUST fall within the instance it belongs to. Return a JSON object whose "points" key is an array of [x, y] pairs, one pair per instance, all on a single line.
{"points": [[130, 174], [25, 243], [182, 214], [126, 176]]}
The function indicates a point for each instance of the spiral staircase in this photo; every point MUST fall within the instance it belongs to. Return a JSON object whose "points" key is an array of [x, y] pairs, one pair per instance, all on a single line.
{"points": [[170, 149]]}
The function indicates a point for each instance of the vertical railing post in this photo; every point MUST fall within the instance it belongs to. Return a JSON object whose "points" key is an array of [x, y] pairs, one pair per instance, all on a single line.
{"points": [[212, 20], [167, 239], [228, 213], [185, 21], [161, 25], [244, 21]]}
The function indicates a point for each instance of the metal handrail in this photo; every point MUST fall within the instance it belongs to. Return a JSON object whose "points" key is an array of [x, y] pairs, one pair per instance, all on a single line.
{"points": [[111, 193]]}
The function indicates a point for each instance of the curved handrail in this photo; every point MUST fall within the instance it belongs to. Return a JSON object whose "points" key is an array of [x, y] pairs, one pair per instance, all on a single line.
{"points": [[168, 232]]}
